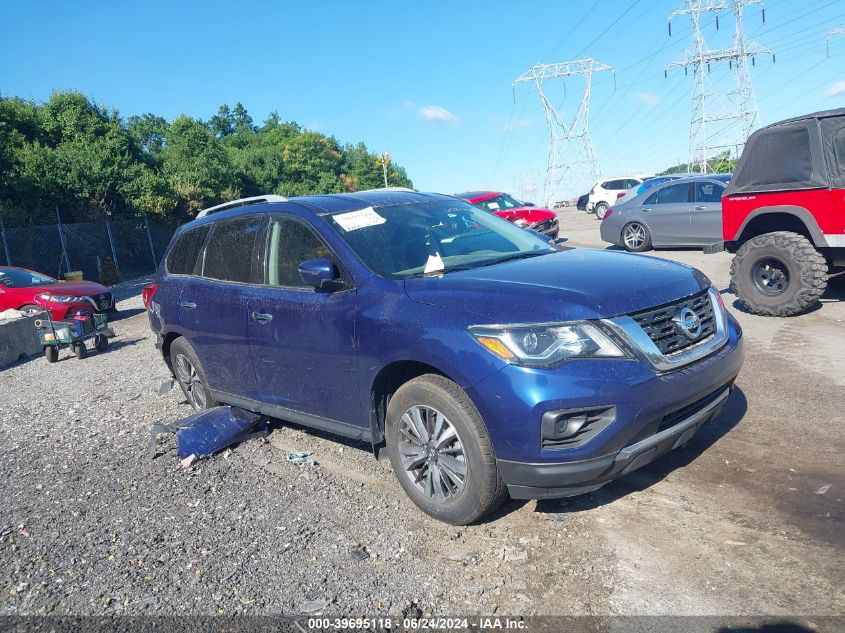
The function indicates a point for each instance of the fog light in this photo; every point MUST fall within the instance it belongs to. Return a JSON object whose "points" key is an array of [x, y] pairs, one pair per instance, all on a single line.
{"points": [[568, 428]]}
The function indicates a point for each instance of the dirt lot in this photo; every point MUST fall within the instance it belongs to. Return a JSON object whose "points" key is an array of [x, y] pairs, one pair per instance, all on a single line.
{"points": [[747, 519]]}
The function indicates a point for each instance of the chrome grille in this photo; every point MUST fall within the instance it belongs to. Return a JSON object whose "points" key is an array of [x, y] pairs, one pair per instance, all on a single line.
{"points": [[662, 328]]}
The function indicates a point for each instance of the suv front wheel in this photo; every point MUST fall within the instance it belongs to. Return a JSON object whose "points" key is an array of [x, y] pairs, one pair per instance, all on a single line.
{"points": [[440, 451], [778, 274]]}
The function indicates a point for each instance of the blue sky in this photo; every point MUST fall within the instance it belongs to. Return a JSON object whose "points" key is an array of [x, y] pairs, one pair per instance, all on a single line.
{"points": [[430, 82]]}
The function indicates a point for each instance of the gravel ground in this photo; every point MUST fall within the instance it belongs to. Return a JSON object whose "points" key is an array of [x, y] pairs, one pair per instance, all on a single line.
{"points": [[747, 519]]}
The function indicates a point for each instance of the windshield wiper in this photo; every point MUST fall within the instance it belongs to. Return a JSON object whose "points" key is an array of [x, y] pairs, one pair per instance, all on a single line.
{"points": [[501, 260]]}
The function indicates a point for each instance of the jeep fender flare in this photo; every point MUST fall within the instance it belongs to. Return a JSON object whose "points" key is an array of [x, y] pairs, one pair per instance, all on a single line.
{"points": [[801, 213]]}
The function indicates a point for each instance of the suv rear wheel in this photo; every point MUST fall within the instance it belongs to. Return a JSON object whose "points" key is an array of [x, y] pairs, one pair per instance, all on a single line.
{"points": [[440, 451], [190, 375], [778, 274], [601, 210]]}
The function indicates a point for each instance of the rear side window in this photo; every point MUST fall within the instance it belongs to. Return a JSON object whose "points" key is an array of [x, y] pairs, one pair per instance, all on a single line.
{"points": [[708, 192], [839, 149], [231, 248], [781, 155], [672, 194], [182, 258], [291, 243]]}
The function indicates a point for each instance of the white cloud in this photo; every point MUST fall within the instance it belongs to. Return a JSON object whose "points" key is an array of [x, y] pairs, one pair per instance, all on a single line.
{"points": [[836, 89], [648, 98], [518, 124], [437, 114]]}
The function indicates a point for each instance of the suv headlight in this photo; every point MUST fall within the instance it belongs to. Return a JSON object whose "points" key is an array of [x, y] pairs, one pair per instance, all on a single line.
{"points": [[546, 344], [66, 299]]}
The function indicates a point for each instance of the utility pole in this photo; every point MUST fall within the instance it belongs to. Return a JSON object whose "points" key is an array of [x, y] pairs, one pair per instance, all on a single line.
{"points": [[385, 161], [571, 155], [839, 30], [708, 108]]}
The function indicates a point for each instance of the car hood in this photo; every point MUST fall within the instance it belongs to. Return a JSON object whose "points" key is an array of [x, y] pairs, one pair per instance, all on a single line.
{"points": [[569, 285], [532, 215], [74, 288]]}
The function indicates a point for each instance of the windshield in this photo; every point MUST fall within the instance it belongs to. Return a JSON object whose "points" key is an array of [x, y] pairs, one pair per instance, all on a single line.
{"points": [[408, 240], [501, 202], [19, 278]]}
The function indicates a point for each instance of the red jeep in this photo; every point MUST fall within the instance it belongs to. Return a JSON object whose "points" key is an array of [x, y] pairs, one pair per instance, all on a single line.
{"points": [[783, 214]]}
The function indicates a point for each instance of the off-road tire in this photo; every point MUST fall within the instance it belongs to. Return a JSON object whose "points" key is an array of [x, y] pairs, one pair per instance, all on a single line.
{"points": [[600, 209], [182, 347], [806, 268], [483, 489], [51, 353], [80, 350]]}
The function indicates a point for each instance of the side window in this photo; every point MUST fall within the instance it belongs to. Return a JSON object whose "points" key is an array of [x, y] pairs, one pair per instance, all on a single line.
{"points": [[182, 258], [607, 184], [839, 149], [230, 250], [708, 192], [291, 243], [631, 183], [672, 194]]}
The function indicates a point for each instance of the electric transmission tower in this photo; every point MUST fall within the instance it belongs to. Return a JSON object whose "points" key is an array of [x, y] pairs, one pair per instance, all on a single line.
{"points": [[710, 110], [571, 155]]}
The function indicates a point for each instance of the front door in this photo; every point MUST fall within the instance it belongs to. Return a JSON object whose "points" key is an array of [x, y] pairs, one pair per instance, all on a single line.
{"points": [[303, 340], [706, 213]]}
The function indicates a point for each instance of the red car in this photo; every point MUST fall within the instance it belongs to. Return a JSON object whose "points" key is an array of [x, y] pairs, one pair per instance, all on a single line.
{"points": [[32, 293], [524, 215]]}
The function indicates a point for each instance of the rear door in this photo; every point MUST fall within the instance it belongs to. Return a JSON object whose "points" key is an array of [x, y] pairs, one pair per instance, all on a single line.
{"points": [[666, 212], [214, 306], [303, 341], [706, 212]]}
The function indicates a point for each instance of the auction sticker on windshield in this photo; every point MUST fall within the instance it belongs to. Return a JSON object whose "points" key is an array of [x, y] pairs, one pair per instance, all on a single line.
{"points": [[360, 219]]}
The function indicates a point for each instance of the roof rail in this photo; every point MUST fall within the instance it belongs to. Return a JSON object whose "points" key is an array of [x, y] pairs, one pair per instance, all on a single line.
{"points": [[388, 189], [240, 202]]}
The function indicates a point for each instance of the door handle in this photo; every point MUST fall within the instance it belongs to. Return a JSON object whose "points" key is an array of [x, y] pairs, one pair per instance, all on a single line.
{"points": [[646, 210], [187, 304], [262, 317], [701, 208]]}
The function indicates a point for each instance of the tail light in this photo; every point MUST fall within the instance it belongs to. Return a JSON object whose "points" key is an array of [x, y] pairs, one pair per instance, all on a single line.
{"points": [[607, 214], [147, 294], [620, 194]]}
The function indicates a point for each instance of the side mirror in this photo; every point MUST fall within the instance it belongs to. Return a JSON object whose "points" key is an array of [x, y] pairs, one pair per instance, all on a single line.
{"points": [[320, 273], [528, 204]]}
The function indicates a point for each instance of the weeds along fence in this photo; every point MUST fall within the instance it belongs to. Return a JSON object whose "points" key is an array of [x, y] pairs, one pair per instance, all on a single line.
{"points": [[105, 251]]}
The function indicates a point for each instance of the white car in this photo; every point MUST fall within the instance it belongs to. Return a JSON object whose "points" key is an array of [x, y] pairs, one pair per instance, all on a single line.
{"points": [[604, 193]]}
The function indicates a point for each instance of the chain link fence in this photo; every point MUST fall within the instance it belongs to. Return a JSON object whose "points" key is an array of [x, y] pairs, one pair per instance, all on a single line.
{"points": [[107, 252]]}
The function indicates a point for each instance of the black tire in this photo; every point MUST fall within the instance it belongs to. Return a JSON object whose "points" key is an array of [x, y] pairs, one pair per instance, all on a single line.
{"points": [[80, 350], [193, 385], [481, 489], [51, 353], [778, 274], [600, 209], [101, 342], [635, 245]]}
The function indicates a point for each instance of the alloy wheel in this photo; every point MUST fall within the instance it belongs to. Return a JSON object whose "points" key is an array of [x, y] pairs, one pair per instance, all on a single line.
{"points": [[634, 235], [432, 453], [190, 380], [770, 276]]}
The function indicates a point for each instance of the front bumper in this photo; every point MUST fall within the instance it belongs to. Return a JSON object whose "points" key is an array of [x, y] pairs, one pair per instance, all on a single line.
{"points": [[567, 479], [654, 411], [549, 229]]}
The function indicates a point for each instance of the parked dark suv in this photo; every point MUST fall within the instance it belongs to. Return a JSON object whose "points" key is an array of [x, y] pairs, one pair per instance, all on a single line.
{"points": [[484, 360]]}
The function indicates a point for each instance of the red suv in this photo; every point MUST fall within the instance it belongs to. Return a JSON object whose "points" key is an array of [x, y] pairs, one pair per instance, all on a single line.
{"points": [[522, 214], [783, 214], [31, 293]]}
